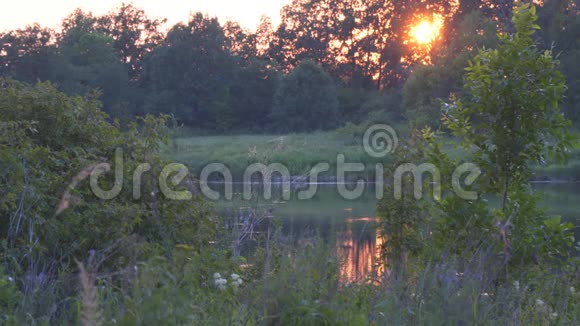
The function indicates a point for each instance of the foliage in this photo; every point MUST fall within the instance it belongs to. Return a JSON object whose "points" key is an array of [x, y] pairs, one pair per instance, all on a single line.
{"points": [[403, 220], [223, 78], [510, 119], [134, 35], [9, 297], [49, 146], [512, 114], [25, 53], [189, 71], [303, 288], [429, 84], [147, 259], [251, 95], [419, 100], [306, 100]]}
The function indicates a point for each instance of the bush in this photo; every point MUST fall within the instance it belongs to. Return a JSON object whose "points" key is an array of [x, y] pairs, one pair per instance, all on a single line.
{"points": [[49, 145]]}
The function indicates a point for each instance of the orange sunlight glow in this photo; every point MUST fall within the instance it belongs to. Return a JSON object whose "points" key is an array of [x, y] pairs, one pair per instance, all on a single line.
{"points": [[426, 32]]}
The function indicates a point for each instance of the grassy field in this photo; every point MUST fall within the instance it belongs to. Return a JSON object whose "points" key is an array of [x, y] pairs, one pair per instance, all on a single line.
{"points": [[300, 152]]}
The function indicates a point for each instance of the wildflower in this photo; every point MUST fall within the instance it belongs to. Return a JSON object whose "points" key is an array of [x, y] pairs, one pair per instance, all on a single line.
{"points": [[10, 279], [541, 306], [553, 316], [236, 280], [221, 283], [517, 285], [572, 290]]}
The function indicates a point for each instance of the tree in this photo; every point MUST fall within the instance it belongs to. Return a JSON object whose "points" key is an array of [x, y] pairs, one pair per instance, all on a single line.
{"points": [[420, 97], [503, 11], [190, 72], [79, 59], [306, 100], [429, 84], [351, 36], [133, 33], [241, 43], [75, 25], [304, 34], [252, 94], [90, 63], [560, 21], [25, 54], [264, 36], [509, 119]]}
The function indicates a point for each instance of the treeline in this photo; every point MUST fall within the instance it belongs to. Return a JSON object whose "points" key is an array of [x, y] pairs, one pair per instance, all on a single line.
{"points": [[329, 62]]}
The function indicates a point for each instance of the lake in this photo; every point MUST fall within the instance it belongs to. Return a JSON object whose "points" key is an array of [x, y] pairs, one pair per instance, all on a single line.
{"points": [[352, 223]]}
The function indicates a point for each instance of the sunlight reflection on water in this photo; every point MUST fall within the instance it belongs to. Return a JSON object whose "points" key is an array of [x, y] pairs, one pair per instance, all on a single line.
{"points": [[354, 223]]}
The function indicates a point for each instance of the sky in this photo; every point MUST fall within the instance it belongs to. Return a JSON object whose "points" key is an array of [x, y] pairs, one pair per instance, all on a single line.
{"points": [[49, 13]]}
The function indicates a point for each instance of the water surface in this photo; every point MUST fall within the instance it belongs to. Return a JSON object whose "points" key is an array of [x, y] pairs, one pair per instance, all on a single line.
{"points": [[352, 223]]}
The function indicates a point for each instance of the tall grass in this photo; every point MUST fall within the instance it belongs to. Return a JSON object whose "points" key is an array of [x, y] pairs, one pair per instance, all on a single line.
{"points": [[289, 281], [90, 315]]}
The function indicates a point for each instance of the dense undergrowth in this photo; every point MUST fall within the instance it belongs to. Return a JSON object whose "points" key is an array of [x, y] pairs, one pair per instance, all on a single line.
{"points": [[300, 285]]}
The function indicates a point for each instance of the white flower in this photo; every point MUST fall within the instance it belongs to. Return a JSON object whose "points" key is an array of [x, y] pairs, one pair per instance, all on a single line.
{"points": [[236, 280], [221, 283], [572, 290], [216, 276], [553, 316], [541, 306], [10, 279], [517, 285]]}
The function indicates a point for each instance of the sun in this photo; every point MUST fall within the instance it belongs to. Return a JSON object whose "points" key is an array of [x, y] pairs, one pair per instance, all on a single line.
{"points": [[425, 32]]}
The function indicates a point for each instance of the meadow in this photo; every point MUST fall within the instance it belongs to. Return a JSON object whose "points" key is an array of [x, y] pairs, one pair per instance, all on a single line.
{"points": [[301, 151]]}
